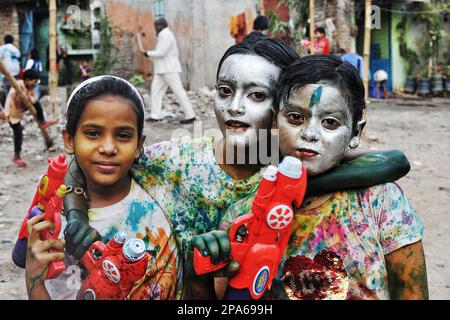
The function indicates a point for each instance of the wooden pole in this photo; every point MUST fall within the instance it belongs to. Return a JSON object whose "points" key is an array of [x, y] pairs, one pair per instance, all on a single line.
{"points": [[27, 103], [262, 10], [52, 57], [141, 47], [311, 25], [367, 30]]}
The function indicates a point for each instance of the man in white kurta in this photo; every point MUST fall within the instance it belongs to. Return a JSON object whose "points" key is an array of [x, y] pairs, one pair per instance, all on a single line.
{"points": [[167, 70]]}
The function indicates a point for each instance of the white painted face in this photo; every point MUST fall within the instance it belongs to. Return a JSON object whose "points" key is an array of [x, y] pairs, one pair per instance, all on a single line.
{"points": [[316, 127], [243, 103]]}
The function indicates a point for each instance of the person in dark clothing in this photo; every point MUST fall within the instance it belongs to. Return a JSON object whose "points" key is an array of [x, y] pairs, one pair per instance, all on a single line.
{"points": [[260, 27]]}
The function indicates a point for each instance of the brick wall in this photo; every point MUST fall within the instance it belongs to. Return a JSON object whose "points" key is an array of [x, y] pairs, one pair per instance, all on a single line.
{"points": [[129, 18], [9, 22]]}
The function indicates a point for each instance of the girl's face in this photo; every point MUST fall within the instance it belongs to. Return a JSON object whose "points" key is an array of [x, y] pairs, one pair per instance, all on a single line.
{"points": [[243, 103], [316, 127], [106, 140]]}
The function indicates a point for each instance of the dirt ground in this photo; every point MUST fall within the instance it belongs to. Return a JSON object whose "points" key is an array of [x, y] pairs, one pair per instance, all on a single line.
{"points": [[420, 129]]}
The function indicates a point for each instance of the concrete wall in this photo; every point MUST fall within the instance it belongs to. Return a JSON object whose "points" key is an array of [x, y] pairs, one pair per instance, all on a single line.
{"points": [[179, 16], [399, 64], [202, 30], [128, 18]]}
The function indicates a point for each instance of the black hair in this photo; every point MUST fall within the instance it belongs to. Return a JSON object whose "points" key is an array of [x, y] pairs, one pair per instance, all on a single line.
{"points": [[320, 30], [273, 50], [31, 74], [34, 54], [261, 23], [162, 22], [8, 39], [323, 69], [106, 85]]}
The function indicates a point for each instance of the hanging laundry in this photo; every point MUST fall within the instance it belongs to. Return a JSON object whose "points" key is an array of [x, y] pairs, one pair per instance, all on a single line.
{"points": [[238, 27], [234, 30]]}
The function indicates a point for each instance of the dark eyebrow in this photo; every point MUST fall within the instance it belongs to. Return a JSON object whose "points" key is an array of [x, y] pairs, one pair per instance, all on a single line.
{"points": [[96, 126], [91, 125], [126, 128], [295, 108], [338, 112], [249, 84]]}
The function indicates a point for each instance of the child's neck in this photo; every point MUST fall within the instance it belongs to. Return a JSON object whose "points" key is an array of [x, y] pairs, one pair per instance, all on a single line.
{"points": [[235, 170], [104, 196]]}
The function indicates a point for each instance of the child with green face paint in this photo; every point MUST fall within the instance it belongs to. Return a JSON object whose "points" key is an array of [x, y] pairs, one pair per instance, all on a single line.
{"points": [[363, 243]]}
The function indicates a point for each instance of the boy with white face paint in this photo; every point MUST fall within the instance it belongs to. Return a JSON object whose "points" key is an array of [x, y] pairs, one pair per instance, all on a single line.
{"points": [[354, 244], [316, 126]]}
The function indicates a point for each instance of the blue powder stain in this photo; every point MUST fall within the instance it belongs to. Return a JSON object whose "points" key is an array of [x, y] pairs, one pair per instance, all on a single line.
{"points": [[315, 97], [110, 234], [137, 211]]}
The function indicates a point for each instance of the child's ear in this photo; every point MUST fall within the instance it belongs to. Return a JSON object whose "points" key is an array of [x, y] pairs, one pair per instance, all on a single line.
{"points": [[140, 147], [68, 142], [354, 142]]}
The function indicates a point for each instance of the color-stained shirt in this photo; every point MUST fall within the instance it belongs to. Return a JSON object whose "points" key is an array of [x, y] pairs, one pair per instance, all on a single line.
{"points": [[140, 217], [336, 250], [183, 176]]}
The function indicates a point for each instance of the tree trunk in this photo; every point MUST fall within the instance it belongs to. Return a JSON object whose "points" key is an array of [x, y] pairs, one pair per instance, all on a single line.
{"points": [[343, 24]]}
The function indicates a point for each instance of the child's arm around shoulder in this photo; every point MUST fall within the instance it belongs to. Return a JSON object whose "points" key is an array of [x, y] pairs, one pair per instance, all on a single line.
{"points": [[39, 259], [360, 170]]}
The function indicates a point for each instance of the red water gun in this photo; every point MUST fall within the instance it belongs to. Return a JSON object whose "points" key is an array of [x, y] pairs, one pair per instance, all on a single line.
{"points": [[259, 238], [113, 268], [48, 200]]}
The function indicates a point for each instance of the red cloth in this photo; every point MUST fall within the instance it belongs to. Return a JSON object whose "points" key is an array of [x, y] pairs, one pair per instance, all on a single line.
{"points": [[325, 44], [242, 28]]}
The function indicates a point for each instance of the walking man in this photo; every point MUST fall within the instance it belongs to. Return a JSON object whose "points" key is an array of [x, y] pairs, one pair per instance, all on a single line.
{"points": [[167, 70]]}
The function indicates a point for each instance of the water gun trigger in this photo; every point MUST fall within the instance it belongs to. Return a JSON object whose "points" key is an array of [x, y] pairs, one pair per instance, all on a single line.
{"points": [[203, 264]]}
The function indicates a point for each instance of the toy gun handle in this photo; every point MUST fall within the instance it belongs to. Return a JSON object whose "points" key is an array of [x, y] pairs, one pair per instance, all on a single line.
{"points": [[53, 214], [203, 265]]}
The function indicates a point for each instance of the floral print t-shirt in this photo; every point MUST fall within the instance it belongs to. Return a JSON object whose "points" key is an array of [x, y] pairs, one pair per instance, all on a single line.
{"points": [[140, 217], [183, 176], [336, 250]]}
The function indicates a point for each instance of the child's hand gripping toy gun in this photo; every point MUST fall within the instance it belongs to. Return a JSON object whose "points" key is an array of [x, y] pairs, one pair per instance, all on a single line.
{"points": [[113, 268], [48, 200], [259, 238]]}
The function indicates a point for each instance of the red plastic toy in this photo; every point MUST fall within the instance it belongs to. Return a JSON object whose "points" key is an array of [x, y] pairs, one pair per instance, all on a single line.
{"points": [[48, 200], [259, 238], [113, 268]]}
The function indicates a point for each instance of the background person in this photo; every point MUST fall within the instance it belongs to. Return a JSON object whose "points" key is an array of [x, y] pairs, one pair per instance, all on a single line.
{"points": [[14, 110], [10, 56], [167, 68]]}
